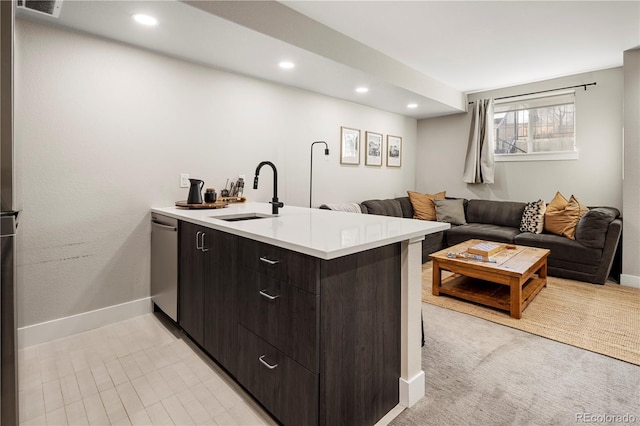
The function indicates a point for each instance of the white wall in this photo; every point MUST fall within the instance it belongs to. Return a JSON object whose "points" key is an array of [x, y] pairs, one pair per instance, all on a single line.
{"points": [[596, 178], [105, 129], [631, 185]]}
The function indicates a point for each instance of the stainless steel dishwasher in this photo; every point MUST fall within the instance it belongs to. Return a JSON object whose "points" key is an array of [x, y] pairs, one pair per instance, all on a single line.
{"points": [[164, 264]]}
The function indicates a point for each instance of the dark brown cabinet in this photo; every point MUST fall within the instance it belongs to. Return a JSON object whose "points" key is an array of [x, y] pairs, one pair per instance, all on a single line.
{"points": [[281, 314], [207, 295], [284, 265], [319, 340], [220, 306], [192, 277], [284, 387], [360, 336], [316, 342]]}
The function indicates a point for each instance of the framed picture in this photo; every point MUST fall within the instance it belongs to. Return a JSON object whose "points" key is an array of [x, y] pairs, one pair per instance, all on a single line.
{"points": [[349, 146], [394, 151], [373, 155]]}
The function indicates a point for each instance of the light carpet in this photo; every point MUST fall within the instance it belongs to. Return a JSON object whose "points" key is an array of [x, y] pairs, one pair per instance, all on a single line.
{"points": [[602, 319], [479, 373]]}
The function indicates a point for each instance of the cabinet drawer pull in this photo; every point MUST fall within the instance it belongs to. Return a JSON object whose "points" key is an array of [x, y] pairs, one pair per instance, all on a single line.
{"points": [[198, 246], [268, 296], [203, 248], [266, 364], [269, 261]]}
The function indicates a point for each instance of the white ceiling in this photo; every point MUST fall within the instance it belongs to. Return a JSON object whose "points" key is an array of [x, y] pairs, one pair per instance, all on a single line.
{"points": [[480, 45], [424, 52]]}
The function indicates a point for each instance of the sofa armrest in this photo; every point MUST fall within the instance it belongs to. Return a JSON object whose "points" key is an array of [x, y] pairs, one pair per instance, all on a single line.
{"points": [[591, 230], [609, 250]]}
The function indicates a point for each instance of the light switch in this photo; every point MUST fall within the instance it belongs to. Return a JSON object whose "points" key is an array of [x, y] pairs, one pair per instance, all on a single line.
{"points": [[184, 180]]}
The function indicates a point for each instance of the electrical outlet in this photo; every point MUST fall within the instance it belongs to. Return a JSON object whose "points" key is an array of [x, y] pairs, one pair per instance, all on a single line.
{"points": [[184, 180]]}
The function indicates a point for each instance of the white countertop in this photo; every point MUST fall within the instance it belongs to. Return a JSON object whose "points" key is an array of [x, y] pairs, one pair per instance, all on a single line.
{"points": [[320, 233]]}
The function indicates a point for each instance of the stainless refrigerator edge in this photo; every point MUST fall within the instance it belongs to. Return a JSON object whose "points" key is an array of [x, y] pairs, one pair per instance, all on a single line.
{"points": [[8, 225]]}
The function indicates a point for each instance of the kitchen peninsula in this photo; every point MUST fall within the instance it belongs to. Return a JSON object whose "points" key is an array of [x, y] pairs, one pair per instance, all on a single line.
{"points": [[316, 313]]}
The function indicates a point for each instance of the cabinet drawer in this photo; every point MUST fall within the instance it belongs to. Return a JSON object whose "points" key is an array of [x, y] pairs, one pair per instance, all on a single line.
{"points": [[283, 315], [297, 269], [285, 388]]}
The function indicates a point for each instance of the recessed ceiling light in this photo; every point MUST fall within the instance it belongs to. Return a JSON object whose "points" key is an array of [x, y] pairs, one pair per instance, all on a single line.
{"points": [[412, 106], [145, 19], [286, 65], [362, 89]]}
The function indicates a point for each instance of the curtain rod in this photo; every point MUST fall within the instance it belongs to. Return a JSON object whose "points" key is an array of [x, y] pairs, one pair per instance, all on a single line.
{"points": [[544, 91]]}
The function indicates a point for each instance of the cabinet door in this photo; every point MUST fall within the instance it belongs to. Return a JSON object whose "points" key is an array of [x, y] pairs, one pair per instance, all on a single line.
{"points": [[281, 314], [220, 307], [191, 285], [297, 269], [285, 388]]}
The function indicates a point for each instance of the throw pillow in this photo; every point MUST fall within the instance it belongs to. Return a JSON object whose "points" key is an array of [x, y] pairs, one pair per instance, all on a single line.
{"points": [[451, 211], [562, 216], [423, 206], [533, 217]]}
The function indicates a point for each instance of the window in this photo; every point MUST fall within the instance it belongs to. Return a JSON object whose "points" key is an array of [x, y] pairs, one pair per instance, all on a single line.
{"points": [[540, 128]]}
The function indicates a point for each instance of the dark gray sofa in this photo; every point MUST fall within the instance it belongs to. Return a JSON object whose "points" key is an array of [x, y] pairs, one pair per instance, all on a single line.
{"points": [[589, 257]]}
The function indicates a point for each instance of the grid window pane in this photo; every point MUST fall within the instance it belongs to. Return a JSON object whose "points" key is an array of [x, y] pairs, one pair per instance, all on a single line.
{"points": [[536, 129]]}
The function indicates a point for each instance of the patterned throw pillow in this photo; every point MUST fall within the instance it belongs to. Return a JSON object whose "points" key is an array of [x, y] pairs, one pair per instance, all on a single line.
{"points": [[533, 217]]}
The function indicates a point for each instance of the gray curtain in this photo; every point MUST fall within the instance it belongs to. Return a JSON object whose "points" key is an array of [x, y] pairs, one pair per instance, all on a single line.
{"points": [[478, 165]]}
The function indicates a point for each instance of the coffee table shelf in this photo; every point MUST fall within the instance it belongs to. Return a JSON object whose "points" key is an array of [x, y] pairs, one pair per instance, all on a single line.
{"points": [[488, 293]]}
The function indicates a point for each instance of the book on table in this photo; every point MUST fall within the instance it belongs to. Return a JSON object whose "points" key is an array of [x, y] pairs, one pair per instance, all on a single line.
{"points": [[485, 249]]}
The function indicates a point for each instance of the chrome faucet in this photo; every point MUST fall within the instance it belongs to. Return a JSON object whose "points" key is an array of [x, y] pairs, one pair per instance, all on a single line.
{"points": [[275, 204]]}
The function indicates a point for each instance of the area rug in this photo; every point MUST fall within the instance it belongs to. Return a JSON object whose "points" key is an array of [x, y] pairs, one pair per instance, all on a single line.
{"points": [[600, 318]]}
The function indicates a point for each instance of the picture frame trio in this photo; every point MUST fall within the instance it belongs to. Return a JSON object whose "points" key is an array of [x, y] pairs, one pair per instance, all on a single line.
{"points": [[373, 148]]}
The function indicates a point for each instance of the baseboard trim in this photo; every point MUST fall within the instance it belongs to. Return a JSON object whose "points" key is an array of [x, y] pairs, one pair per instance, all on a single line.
{"points": [[392, 414], [63, 327], [630, 280], [411, 391]]}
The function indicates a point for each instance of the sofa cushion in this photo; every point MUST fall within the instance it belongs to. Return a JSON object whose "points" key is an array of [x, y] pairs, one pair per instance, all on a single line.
{"points": [[451, 211], [562, 216], [383, 207], [481, 231], [562, 249], [503, 213], [405, 205], [592, 228], [423, 205], [533, 217]]}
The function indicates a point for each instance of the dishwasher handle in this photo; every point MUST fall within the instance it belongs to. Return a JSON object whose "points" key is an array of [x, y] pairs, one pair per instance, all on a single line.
{"points": [[164, 227]]}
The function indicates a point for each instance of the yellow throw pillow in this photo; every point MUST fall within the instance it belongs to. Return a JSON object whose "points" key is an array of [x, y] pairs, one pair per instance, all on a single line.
{"points": [[558, 202], [423, 206], [562, 216], [575, 210]]}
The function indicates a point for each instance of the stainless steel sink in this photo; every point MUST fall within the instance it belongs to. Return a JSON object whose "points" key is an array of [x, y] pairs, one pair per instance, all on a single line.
{"points": [[242, 216]]}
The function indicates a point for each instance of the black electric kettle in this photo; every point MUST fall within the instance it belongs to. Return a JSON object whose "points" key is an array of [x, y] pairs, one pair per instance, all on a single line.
{"points": [[195, 191]]}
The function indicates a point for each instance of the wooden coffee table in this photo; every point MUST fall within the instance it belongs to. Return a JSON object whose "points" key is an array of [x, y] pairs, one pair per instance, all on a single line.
{"points": [[509, 284]]}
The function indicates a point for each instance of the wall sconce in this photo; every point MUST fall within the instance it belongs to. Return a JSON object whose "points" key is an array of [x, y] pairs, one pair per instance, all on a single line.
{"points": [[326, 152]]}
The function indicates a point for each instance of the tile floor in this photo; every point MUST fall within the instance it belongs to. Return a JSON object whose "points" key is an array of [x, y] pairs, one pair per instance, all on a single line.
{"points": [[135, 372]]}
